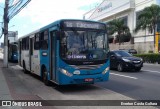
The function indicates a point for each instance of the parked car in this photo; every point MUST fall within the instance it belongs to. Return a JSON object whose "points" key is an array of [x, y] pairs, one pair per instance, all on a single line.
{"points": [[122, 60], [131, 51]]}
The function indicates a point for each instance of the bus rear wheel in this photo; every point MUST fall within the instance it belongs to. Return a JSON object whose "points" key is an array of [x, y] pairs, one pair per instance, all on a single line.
{"points": [[45, 79]]}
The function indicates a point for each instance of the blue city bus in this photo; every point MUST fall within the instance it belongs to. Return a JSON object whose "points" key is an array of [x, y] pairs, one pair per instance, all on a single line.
{"points": [[13, 52], [67, 52]]}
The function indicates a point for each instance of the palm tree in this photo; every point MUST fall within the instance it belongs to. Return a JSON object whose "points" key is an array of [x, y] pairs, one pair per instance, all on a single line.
{"points": [[118, 26], [148, 19]]}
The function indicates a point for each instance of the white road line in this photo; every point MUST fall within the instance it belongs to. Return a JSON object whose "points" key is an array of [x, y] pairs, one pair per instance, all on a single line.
{"points": [[151, 71], [124, 76]]}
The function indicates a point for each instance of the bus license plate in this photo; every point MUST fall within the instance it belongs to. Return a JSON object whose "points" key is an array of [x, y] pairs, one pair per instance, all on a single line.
{"points": [[88, 79]]}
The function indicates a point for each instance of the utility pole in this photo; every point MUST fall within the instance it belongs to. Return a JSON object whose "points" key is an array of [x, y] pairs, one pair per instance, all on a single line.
{"points": [[6, 21]]}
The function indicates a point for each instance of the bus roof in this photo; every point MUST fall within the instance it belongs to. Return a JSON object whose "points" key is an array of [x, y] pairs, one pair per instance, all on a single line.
{"points": [[56, 23]]}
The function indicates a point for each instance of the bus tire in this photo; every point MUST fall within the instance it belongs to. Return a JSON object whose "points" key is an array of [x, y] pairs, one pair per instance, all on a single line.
{"points": [[45, 79]]}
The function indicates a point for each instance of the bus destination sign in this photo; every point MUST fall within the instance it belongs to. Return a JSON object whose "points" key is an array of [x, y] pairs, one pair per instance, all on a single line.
{"points": [[84, 24]]}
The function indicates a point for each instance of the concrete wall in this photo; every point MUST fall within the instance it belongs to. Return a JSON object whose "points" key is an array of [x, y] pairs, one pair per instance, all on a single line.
{"points": [[141, 47]]}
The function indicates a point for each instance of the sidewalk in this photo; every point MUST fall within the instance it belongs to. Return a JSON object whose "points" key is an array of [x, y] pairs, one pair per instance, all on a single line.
{"points": [[4, 89], [5, 92]]}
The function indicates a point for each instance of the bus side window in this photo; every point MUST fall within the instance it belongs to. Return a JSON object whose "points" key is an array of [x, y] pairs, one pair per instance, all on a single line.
{"points": [[36, 42], [44, 40], [27, 43], [63, 44], [23, 44]]}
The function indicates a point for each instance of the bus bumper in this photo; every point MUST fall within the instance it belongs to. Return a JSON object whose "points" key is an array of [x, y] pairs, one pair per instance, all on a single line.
{"points": [[83, 79]]}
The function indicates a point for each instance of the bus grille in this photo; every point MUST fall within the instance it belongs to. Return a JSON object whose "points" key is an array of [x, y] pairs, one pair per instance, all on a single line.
{"points": [[86, 67]]}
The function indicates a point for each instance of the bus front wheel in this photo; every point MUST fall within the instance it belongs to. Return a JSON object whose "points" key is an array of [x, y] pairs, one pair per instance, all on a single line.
{"points": [[45, 79]]}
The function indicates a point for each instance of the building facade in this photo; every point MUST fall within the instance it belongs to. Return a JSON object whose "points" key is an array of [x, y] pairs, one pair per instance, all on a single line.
{"points": [[12, 37], [128, 10]]}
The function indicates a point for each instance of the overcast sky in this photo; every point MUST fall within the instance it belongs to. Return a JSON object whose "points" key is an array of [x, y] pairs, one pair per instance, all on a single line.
{"points": [[39, 13]]}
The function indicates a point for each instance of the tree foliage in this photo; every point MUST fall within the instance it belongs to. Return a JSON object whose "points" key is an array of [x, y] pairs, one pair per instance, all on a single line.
{"points": [[118, 26], [148, 19]]}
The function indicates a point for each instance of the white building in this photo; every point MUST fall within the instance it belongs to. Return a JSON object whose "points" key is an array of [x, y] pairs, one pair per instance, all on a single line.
{"points": [[127, 10], [12, 37]]}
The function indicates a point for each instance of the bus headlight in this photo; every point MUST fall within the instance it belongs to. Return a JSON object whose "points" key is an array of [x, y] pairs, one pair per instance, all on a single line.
{"points": [[106, 70], [65, 72]]}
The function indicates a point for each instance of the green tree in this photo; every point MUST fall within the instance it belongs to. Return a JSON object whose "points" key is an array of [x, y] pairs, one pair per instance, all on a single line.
{"points": [[148, 19], [118, 26]]}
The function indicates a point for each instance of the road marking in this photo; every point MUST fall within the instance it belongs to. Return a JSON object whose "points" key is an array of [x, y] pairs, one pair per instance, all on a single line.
{"points": [[124, 76], [151, 71]]}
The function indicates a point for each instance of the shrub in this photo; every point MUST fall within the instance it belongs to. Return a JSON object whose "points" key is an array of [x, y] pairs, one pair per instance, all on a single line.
{"points": [[150, 57], [150, 51]]}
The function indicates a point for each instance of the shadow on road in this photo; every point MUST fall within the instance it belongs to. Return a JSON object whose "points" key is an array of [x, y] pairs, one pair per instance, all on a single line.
{"points": [[75, 88]]}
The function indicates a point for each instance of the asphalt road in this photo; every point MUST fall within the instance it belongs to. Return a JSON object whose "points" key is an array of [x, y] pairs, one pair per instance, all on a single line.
{"points": [[143, 85]]}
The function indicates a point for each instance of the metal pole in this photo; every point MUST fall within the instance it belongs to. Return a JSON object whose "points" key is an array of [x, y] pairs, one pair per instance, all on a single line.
{"points": [[6, 21]]}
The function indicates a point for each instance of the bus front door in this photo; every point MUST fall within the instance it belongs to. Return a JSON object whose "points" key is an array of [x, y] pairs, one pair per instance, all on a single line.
{"points": [[53, 55]]}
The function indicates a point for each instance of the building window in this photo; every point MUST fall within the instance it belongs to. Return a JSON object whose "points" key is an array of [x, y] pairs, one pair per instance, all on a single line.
{"points": [[125, 20]]}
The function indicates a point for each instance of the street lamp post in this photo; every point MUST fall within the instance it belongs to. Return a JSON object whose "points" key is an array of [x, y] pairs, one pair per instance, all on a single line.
{"points": [[6, 21]]}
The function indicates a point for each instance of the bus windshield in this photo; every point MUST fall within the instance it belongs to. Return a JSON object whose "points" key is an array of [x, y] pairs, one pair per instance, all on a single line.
{"points": [[84, 45]]}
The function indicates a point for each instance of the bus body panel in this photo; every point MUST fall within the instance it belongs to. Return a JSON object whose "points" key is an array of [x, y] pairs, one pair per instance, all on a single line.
{"points": [[95, 74], [20, 52], [25, 59], [32, 63], [36, 62], [77, 79], [44, 60]]}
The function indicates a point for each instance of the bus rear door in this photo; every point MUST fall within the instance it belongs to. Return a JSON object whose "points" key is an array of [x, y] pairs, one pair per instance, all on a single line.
{"points": [[31, 53], [20, 53]]}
